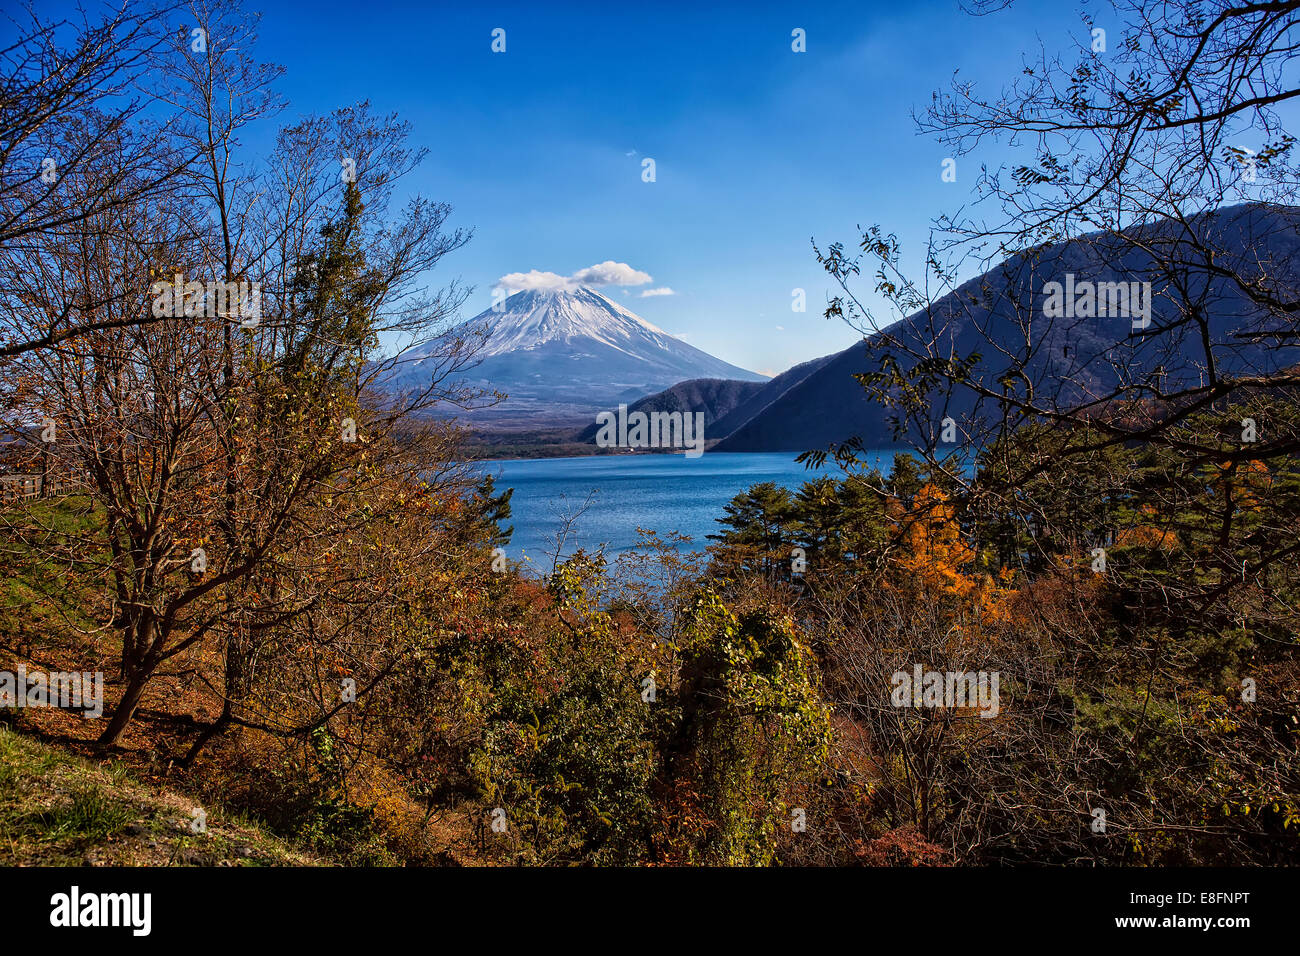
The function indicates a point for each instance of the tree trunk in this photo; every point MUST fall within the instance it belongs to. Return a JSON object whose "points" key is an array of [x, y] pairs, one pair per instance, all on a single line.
{"points": [[138, 666], [236, 691], [125, 709], [212, 730]]}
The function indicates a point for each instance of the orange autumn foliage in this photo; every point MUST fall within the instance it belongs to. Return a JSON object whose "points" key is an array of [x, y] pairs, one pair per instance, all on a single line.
{"points": [[1245, 483], [934, 553]]}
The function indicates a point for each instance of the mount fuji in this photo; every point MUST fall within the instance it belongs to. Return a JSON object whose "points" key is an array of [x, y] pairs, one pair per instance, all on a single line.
{"points": [[565, 354]]}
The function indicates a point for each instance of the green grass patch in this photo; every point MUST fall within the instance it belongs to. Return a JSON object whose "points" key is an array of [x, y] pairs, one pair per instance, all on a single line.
{"points": [[88, 814], [57, 809]]}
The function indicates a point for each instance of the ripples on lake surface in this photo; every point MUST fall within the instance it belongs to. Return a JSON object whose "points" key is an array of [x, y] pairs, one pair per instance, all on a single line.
{"points": [[659, 492]]}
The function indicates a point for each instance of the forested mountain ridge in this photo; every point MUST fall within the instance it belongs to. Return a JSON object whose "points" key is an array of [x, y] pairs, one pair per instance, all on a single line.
{"points": [[1074, 359]]}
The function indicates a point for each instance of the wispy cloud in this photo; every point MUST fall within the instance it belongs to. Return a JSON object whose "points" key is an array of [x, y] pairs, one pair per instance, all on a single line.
{"points": [[524, 281], [607, 273], [662, 290], [610, 272]]}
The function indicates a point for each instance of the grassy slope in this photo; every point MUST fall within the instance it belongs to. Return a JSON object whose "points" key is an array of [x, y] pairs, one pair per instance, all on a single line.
{"points": [[62, 804], [57, 809]]}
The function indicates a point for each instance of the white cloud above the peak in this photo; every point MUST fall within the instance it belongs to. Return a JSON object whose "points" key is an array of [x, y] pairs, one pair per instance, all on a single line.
{"points": [[607, 273], [610, 272], [527, 281]]}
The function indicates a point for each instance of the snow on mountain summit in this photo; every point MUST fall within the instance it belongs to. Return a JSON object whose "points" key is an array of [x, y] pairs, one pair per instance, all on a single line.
{"points": [[567, 353], [532, 318]]}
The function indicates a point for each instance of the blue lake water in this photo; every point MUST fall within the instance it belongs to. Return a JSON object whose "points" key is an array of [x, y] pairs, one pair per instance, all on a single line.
{"points": [[658, 492]]}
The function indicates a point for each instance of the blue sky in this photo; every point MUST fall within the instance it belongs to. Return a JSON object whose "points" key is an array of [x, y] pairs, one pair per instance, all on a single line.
{"points": [[757, 148]]}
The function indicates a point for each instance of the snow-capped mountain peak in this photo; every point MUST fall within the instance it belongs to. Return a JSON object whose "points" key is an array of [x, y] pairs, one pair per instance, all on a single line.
{"points": [[564, 354], [534, 317]]}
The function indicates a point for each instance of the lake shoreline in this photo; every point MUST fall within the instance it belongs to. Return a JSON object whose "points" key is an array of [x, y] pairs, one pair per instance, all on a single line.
{"points": [[608, 497]]}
